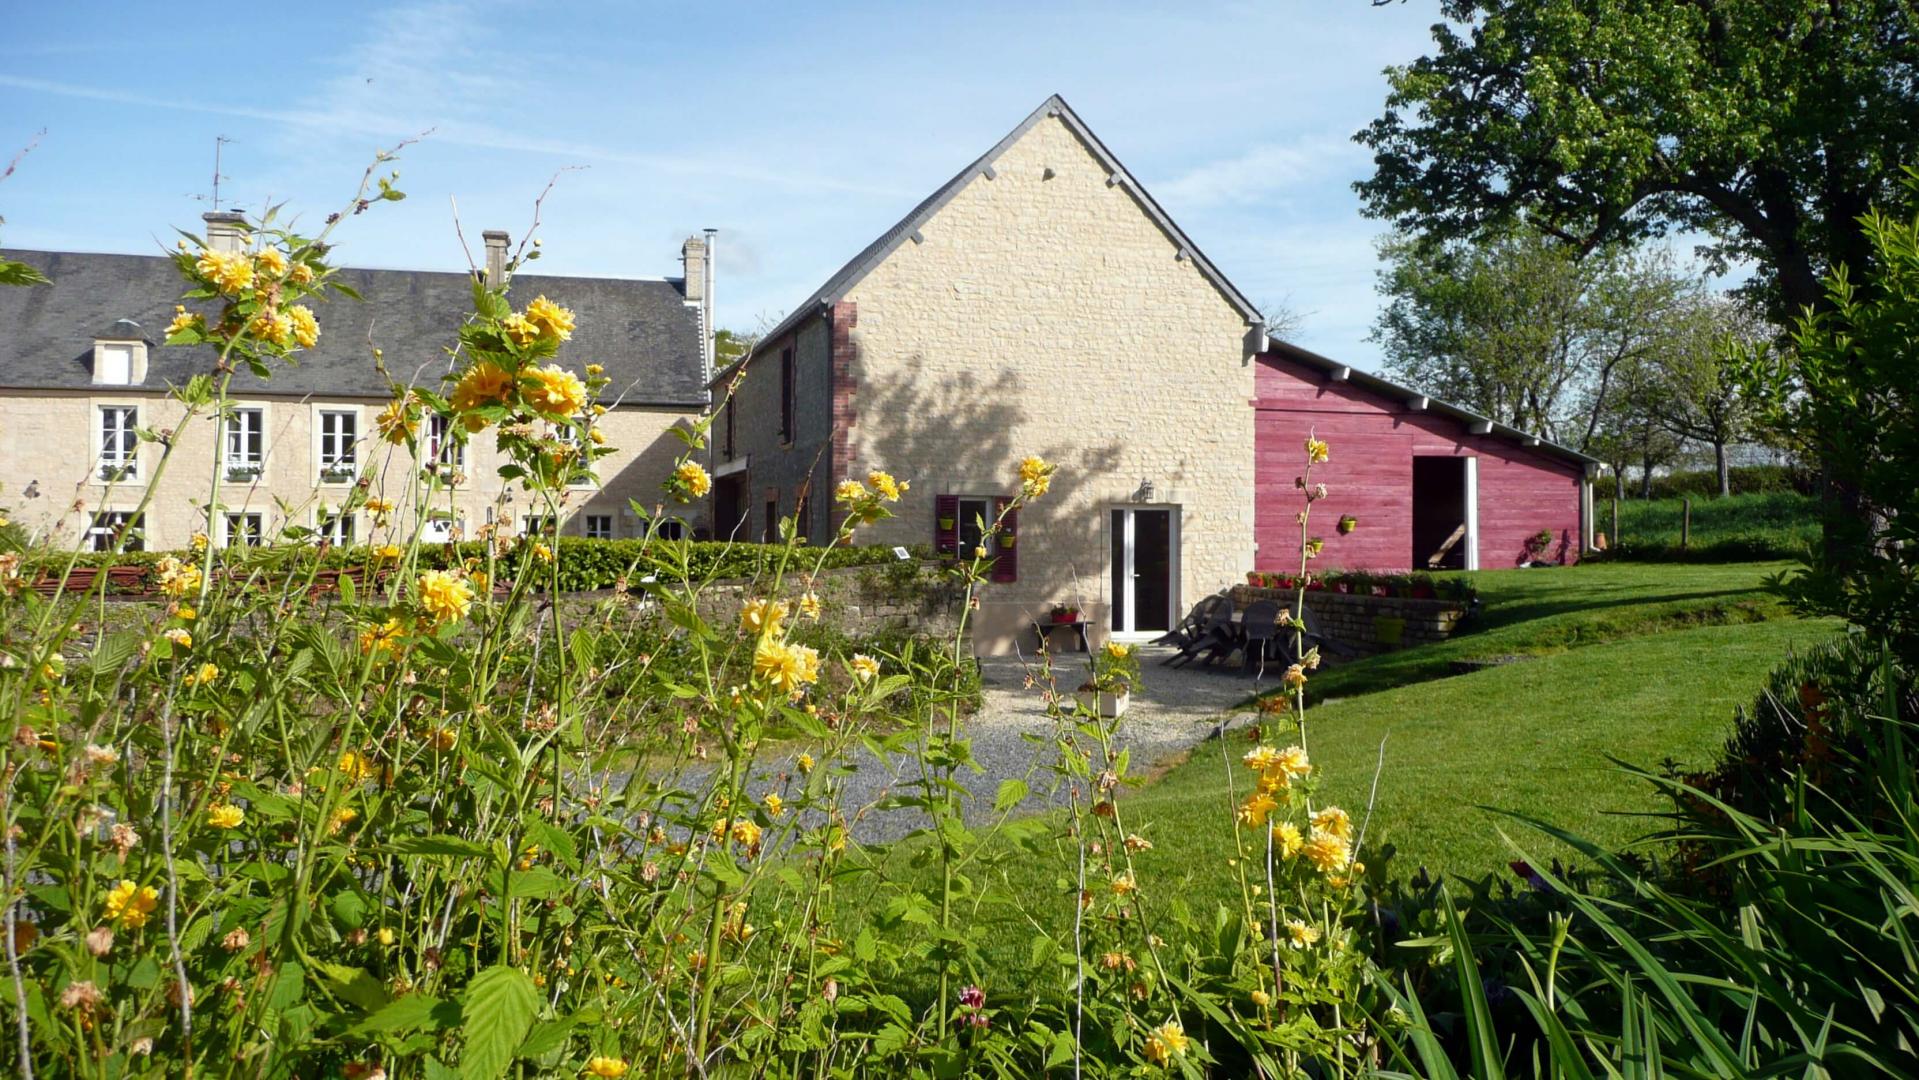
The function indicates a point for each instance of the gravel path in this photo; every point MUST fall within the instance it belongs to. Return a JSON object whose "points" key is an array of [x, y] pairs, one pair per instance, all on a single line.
{"points": [[1175, 709]]}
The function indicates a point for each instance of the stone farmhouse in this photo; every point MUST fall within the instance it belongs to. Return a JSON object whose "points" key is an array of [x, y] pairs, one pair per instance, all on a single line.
{"points": [[83, 367], [1041, 302]]}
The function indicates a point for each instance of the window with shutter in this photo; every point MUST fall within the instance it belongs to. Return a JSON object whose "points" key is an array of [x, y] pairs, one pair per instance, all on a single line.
{"points": [[946, 525]]}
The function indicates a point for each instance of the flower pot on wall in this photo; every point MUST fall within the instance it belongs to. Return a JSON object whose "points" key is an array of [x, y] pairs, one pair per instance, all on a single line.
{"points": [[1006, 541], [1106, 705], [946, 524]]}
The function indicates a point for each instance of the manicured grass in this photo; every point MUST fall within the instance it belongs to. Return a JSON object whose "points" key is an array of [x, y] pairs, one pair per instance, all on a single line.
{"points": [[1775, 524], [1537, 612]]}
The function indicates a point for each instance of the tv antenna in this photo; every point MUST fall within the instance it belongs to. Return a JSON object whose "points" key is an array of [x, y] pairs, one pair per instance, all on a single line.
{"points": [[219, 143]]}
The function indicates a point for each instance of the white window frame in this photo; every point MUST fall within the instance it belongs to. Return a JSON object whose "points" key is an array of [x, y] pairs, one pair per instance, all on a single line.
{"points": [[329, 449], [113, 363], [443, 448], [539, 525], [117, 446], [1471, 539], [440, 530], [259, 529], [100, 533], [588, 522], [248, 423], [323, 520], [1129, 577]]}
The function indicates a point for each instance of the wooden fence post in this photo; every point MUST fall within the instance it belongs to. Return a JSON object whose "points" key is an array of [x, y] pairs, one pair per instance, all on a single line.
{"points": [[1685, 526]]}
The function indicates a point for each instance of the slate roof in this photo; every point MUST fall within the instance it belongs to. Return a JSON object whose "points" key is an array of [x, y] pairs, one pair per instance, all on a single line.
{"points": [[843, 279], [644, 332]]}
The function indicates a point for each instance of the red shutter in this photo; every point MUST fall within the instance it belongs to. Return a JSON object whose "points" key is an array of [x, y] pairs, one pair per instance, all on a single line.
{"points": [[946, 525], [1006, 559]]}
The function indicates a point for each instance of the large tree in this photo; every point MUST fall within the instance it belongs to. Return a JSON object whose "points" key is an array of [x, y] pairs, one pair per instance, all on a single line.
{"points": [[1767, 125], [1698, 388], [1523, 328]]}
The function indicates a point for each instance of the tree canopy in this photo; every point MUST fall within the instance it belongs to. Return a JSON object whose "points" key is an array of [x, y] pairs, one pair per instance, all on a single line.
{"points": [[1770, 126]]}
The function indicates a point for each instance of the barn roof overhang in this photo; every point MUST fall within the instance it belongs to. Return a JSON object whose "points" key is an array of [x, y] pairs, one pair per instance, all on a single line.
{"points": [[1415, 401]]}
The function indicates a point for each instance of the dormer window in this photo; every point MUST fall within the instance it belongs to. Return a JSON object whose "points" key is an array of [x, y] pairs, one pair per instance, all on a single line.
{"points": [[120, 355]]}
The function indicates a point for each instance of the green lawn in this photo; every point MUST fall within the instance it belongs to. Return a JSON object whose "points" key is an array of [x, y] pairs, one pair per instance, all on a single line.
{"points": [[1638, 662], [1770, 524]]}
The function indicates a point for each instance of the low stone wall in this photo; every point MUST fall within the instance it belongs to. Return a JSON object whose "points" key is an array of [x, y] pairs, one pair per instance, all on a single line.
{"points": [[1371, 624], [860, 601]]}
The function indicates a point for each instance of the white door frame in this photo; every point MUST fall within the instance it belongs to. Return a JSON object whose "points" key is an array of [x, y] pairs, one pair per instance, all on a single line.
{"points": [[1472, 513], [1173, 608]]}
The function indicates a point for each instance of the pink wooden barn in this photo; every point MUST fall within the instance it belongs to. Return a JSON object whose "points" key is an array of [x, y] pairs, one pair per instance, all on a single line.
{"points": [[1430, 485]]}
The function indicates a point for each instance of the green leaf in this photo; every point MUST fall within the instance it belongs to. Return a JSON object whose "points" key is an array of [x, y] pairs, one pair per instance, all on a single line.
{"points": [[354, 985], [409, 1012], [438, 844], [497, 1009], [1011, 793]]}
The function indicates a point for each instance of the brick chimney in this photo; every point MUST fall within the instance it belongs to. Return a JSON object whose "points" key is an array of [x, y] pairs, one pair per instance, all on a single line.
{"points": [[497, 241], [226, 230], [696, 256]]}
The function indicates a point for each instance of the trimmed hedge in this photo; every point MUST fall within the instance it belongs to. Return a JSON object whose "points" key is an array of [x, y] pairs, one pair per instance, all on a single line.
{"points": [[584, 564]]}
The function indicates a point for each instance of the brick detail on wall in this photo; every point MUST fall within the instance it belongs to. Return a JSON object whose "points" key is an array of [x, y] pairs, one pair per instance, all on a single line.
{"points": [[844, 316]]}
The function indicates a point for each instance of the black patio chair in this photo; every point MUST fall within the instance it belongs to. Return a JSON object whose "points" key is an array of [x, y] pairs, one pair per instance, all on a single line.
{"points": [[1192, 625], [1215, 633], [1258, 629]]}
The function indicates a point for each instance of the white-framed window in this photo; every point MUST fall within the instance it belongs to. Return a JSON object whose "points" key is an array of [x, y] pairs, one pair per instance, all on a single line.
{"points": [[335, 527], [539, 525], [672, 529], [245, 528], [598, 526], [246, 443], [442, 530], [583, 474], [107, 527], [442, 448], [339, 445], [119, 446], [113, 364], [975, 516]]}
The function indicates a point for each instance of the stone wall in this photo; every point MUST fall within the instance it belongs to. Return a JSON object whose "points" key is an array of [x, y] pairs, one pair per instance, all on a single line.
{"points": [[860, 601], [1368, 623]]}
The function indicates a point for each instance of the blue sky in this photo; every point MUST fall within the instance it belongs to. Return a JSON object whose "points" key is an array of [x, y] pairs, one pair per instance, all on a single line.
{"points": [[800, 131]]}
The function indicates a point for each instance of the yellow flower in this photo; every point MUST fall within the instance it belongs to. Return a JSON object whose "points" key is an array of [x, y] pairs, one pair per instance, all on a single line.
{"points": [[1035, 477], [1287, 840], [344, 816], [270, 262], [185, 611], [1300, 934], [182, 321], [180, 637], [850, 491], [885, 486], [805, 762], [775, 806], [551, 318], [1278, 768], [485, 383], [225, 816], [269, 325], [1294, 678], [605, 1068], [1316, 451], [542, 552], [690, 481], [442, 739], [810, 606], [130, 904], [379, 507], [865, 668], [387, 551], [1327, 852], [302, 274], [787, 668], [762, 616], [176, 578], [354, 766], [229, 272], [1335, 822], [444, 596], [744, 831], [397, 422], [306, 329], [1253, 812], [598, 436], [1165, 1042], [1118, 651], [519, 329], [1125, 884], [206, 674], [199, 542], [555, 391], [1261, 998], [595, 370], [386, 935]]}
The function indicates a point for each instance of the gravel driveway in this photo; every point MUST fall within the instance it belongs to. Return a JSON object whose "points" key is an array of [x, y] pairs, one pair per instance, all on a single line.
{"points": [[1175, 709]]}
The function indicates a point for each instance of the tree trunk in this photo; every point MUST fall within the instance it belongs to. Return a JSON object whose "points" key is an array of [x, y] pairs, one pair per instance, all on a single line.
{"points": [[1645, 479], [1725, 471]]}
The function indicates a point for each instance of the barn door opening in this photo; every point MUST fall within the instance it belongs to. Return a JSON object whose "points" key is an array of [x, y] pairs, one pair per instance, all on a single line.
{"points": [[1145, 571], [729, 508], [1445, 513]]}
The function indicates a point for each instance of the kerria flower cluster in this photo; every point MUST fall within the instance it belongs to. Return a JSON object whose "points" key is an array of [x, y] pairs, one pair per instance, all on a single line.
{"points": [[864, 500]]}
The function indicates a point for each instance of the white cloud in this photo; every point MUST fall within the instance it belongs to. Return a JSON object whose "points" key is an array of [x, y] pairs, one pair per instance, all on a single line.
{"points": [[1264, 172]]}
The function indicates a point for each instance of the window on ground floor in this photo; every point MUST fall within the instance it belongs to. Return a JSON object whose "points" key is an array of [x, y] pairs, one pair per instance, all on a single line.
{"points": [[599, 526], [245, 529], [110, 525]]}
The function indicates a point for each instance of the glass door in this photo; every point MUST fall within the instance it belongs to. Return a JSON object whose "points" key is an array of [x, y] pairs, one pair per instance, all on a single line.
{"points": [[1145, 594]]}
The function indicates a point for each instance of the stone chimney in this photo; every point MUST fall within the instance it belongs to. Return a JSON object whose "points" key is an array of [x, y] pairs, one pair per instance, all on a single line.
{"points": [[693, 258], [496, 245], [226, 230]]}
